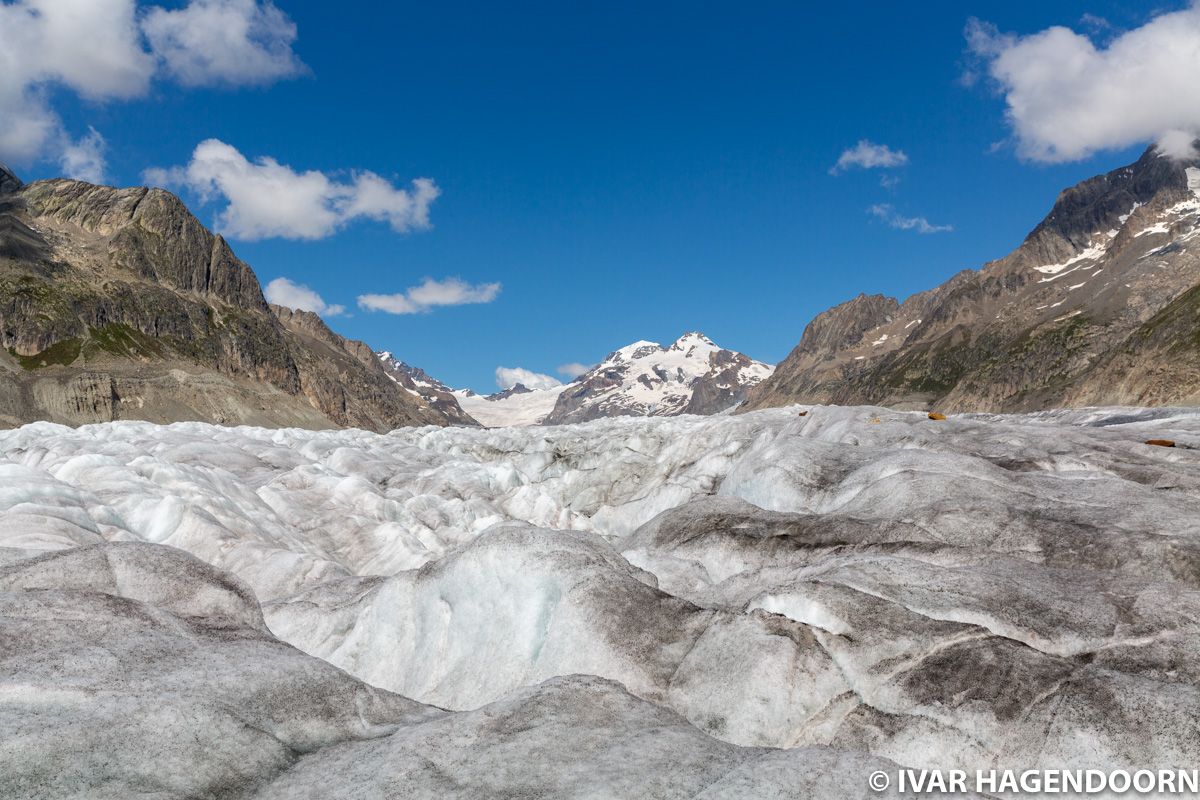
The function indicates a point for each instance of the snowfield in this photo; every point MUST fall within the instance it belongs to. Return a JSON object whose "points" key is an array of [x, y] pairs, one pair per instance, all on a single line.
{"points": [[763, 605], [517, 410]]}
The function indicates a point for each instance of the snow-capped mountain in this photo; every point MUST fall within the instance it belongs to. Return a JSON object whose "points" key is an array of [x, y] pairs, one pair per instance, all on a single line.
{"points": [[644, 379], [433, 392], [691, 376]]}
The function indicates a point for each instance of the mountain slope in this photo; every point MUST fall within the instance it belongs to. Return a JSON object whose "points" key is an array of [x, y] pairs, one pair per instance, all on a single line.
{"points": [[1074, 315], [691, 376], [421, 384], [119, 304]]}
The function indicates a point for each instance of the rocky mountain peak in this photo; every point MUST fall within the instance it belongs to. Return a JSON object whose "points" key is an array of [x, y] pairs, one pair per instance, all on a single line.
{"points": [[9, 182], [117, 303], [1091, 308], [845, 324], [417, 381], [1104, 202], [515, 389]]}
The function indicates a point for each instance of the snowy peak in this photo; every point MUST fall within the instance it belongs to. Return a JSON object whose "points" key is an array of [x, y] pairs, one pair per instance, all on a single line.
{"points": [[633, 351], [693, 375], [692, 340]]}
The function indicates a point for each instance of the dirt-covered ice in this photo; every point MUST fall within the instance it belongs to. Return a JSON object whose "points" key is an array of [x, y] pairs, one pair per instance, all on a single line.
{"points": [[657, 599]]}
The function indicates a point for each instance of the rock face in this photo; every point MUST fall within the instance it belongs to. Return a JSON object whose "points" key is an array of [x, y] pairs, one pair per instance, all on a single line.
{"points": [[629, 608], [1097, 306], [512, 391], [119, 304], [417, 381], [8, 181], [692, 376]]}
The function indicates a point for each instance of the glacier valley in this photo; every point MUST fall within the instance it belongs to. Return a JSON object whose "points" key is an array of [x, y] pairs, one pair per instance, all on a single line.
{"points": [[772, 604]]}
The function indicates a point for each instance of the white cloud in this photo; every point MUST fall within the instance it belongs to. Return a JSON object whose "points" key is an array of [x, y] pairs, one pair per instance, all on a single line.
{"points": [[430, 294], [573, 370], [888, 214], [1067, 97], [97, 50], [1180, 145], [283, 292], [507, 377], [868, 155], [227, 42], [267, 199], [83, 160], [92, 47]]}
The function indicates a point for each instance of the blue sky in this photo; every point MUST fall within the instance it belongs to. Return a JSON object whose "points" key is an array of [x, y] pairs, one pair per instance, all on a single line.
{"points": [[624, 171]]}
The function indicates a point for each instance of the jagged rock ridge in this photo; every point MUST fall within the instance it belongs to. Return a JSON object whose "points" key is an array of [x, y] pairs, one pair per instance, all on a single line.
{"points": [[1097, 306], [420, 383], [119, 304]]}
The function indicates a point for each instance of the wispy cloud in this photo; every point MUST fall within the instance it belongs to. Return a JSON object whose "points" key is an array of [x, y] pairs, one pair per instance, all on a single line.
{"points": [[265, 199], [1069, 97], [507, 377], [869, 155], [430, 294], [283, 292], [574, 369], [83, 159], [888, 214]]}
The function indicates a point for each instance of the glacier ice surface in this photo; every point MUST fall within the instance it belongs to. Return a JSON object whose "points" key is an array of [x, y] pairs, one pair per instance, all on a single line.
{"points": [[856, 586]]}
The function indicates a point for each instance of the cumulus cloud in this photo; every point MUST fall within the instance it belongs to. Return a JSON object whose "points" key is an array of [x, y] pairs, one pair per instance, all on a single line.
{"points": [[83, 160], [224, 42], [573, 370], [868, 155], [888, 214], [283, 292], [1068, 97], [430, 294], [91, 47], [97, 49], [265, 199], [508, 377]]}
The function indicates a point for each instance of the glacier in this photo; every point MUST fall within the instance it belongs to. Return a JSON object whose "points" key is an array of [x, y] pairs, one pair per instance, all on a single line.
{"points": [[759, 605]]}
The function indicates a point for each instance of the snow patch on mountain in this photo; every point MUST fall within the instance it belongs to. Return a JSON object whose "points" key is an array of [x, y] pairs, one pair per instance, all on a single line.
{"points": [[1091, 253]]}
